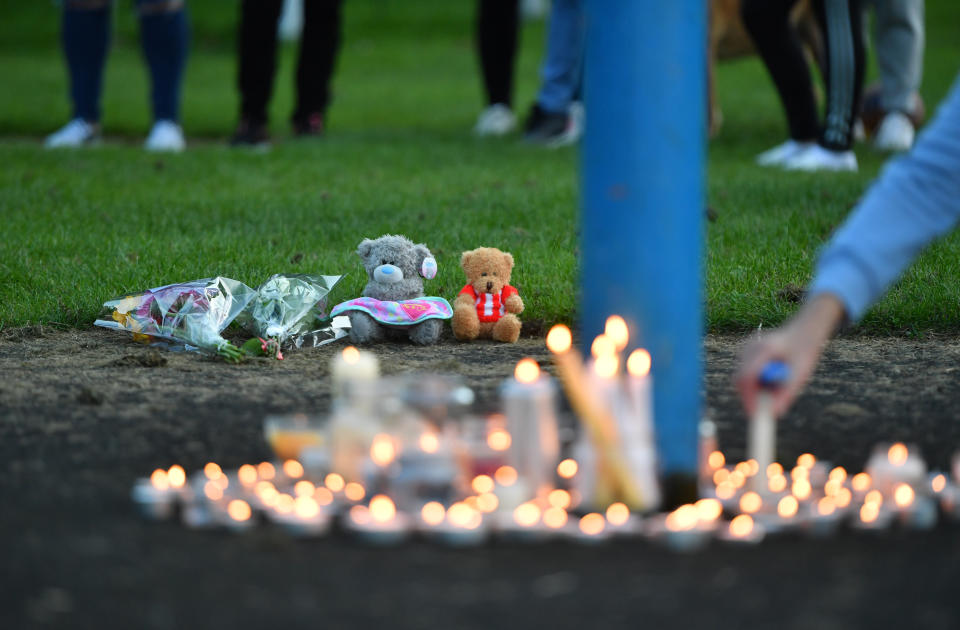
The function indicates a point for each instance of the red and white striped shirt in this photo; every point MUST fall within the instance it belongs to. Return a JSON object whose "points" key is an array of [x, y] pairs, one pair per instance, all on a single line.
{"points": [[490, 305]]}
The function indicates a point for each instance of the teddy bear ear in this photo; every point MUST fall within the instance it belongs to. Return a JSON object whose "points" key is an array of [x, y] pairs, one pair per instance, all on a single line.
{"points": [[508, 258], [465, 259], [364, 248]]}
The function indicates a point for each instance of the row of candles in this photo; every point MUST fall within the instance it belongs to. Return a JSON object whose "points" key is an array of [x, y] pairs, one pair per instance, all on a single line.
{"points": [[384, 474]]}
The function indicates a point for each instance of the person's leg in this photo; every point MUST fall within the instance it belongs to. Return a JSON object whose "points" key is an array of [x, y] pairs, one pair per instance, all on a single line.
{"points": [[164, 31], [563, 61], [497, 30], [319, 45], [86, 40], [899, 46], [257, 52], [768, 22], [842, 20]]}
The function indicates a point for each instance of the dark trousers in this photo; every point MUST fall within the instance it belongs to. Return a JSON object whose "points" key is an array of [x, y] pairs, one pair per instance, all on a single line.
{"points": [[768, 22], [319, 44], [497, 28]]}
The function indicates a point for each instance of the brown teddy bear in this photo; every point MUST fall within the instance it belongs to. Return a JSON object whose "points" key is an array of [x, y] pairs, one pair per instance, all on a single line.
{"points": [[487, 306]]}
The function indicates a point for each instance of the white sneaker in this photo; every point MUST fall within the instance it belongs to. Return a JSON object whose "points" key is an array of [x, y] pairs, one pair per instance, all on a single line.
{"points": [[496, 120], [817, 158], [76, 133], [782, 152], [166, 135], [895, 133]]}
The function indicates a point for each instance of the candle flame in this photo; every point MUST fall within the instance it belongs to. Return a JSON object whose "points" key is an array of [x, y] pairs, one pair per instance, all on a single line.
{"points": [[177, 476], [774, 470], [869, 512], [284, 503], [843, 498], [741, 526], [293, 469], [303, 488], [306, 507], [527, 371], [323, 496], [874, 496], [715, 459], [247, 474], [618, 514], [221, 481], [482, 484], [736, 479], [554, 517], [708, 509], [838, 474], [683, 518], [487, 502], [750, 502], [460, 514], [334, 482], [567, 468], [603, 346], [429, 442], [826, 506], [360, 515], [592, 524], [606, 366], [720, 475], [638, 364], [897, 454], [506, 475], [801, 489], [807, 460], [616, 329], [559, 339], [777, 484], [382, 450], [559, 498], [527, 514], [382, 509], [861, 481], [499, 439], [266, 470], [351, 355], [354, 491], [743, 468], [788, 506], [239, 510], [432, 513], [212, 491], [725, 490], [212, 471], [800, 472], [938, 483], [753, 467], [903, 495], [159, 479]]}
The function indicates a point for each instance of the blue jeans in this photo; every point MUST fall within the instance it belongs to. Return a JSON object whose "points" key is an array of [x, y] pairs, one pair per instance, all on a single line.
{"points": [[562, 71]]}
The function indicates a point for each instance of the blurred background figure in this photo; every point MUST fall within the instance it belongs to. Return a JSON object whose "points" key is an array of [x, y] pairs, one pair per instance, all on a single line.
{"points": [[812, 146], [257, 40], [497, 33], [556, 118], [892, 112], [86, 39]]}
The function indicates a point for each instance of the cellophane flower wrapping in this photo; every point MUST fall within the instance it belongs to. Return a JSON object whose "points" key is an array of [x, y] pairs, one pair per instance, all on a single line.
{"points": [[291, 308], [190, 313]]}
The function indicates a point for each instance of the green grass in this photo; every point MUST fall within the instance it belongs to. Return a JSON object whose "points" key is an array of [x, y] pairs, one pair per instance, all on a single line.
{"points": [[82, 227]]}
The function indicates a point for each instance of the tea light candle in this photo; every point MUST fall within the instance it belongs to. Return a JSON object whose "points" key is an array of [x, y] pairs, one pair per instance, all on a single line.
{"points": [[153, 496], [238, 517], [679, 530], [379, 523], [914, 512], [823, 517], [460, 526], [592, 529], [524, 523], [307, 519], [872, 517], [742, 530], [895, 464]]}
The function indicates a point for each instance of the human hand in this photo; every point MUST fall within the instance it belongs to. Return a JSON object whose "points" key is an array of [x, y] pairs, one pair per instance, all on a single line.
{"points": [[798, 344]]}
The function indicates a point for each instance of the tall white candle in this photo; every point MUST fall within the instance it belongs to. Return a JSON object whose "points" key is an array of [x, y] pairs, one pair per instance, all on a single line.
{"points": [[529, 401]]}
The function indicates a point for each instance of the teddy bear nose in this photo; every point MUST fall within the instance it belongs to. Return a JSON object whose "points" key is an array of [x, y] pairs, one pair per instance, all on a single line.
{"points": [[489, 285], [387, 269]]}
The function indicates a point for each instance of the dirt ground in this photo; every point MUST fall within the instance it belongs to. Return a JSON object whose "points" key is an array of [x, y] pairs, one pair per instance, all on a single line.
{"points": [[83, 413]]}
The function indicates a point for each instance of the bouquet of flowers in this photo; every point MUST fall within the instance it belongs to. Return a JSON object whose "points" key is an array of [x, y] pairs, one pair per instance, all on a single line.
{"points": [[191, 313], [289, 309]]}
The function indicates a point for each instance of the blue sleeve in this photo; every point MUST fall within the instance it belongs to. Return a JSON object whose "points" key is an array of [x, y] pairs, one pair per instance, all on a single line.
{"points": [[915, 200]]}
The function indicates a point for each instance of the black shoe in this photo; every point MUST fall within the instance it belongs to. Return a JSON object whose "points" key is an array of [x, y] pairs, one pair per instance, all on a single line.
{"points": [[309, 126], [250, 134], [545, 127]]}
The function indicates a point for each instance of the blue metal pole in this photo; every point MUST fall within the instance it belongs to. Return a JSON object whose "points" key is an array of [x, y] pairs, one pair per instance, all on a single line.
{"points": [[643, 198]]}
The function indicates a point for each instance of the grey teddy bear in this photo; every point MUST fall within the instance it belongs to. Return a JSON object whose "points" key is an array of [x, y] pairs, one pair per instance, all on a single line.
{"points": [[396, 268]]}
